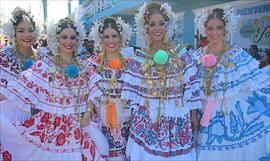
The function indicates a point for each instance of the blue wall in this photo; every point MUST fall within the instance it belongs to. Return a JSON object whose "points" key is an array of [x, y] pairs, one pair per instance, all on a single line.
{"points": [[189, 27]]}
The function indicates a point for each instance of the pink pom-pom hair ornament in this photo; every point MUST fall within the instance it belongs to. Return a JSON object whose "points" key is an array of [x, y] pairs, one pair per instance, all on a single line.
{"points": [[209, 60]]}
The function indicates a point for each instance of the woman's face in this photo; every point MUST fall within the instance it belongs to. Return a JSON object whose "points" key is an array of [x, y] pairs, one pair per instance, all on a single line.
{"points": [[111, 41], [25, 34], [67, 41], [215, 31], [157, 27]]}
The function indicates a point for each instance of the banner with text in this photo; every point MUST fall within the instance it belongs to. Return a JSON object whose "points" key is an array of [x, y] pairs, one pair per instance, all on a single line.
{"points": [[253, 26]]}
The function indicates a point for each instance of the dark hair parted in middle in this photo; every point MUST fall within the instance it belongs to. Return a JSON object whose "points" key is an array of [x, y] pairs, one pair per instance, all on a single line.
{"points": [[20, 15], [154, 8], [110, 22], [216, 13], [66, 22]]}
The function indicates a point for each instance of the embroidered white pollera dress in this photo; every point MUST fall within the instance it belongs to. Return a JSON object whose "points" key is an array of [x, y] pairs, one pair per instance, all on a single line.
{"points": [[111, 87], [9, 70], [9, 66], [239, 122], [161, 127], [54, 133]]}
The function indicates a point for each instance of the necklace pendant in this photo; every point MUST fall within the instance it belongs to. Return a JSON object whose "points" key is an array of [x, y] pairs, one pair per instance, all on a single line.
{"points": [[151, 62], [155, 93]]}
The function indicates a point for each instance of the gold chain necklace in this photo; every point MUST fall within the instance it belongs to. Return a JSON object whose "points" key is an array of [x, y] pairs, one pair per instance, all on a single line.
{"points": [[212, 71], [111, 114], [152, 85], [21, 58]]}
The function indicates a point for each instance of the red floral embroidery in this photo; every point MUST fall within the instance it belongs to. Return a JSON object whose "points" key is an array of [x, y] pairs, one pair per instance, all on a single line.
{"points": [[93, 152], [56, 122], [37, 90], [29, 122], [6, 156], [77, 133], [84, 158], [39, 64], [30, 85], [44, 75], [46, 118], [185, 137], [60, 139]]}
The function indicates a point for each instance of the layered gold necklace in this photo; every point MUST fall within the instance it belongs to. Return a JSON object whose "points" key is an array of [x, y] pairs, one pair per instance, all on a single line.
{"points": [[212, 70], [75, 93], [112, 85], [22, 58], [157, 86]]}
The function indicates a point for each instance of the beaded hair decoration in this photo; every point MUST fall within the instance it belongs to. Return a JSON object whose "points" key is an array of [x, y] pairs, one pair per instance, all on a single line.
{"points": [[229, 17], [140, 21], [9, 26], [53, 32], [123, 28]]}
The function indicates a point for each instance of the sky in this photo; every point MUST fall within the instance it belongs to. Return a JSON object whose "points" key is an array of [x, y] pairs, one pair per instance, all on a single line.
{"points": [[57, 9]]}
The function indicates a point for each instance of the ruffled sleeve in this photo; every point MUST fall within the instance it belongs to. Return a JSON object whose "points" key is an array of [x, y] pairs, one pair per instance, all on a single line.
{"points": [[242, 72], [192, 82], [238, 72], [133, 89], [9, 68], [39, 88], [94, 78], [131, 78]]}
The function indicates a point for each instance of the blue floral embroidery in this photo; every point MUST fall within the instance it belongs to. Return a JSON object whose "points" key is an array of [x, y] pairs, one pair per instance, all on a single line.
{"points": [[233, 125], [265, 90], [217, 130], [258, 104], [238, 127], [170, 137]]}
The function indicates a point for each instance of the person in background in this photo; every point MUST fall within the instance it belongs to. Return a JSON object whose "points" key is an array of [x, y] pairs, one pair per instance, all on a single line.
{"points": [[235, 118], [265, 63], [253, 50]]}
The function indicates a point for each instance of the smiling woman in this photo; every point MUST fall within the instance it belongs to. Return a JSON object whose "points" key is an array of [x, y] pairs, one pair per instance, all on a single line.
{"points": [[62, 88], [235, 121], [110, 35], [22, 30], [161, 83]]}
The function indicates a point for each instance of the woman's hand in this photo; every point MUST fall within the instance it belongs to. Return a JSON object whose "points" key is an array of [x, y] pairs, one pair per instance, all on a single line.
{"points": [[2, 97], [194, 120], [85, 119]]}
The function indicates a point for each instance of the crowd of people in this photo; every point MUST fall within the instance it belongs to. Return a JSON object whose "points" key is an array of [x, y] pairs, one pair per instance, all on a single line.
{"points": [[162, 102]]}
